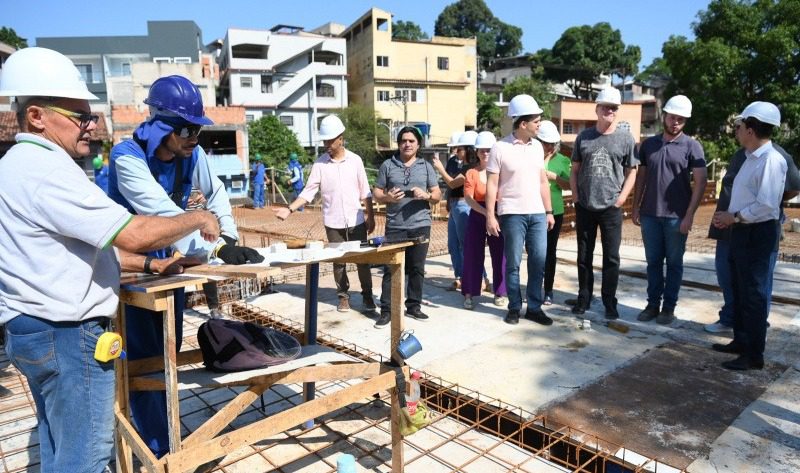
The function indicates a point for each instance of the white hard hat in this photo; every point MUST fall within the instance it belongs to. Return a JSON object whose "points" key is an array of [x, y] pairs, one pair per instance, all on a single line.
{"points": [[548, 132], [467, 138], [764, 112], [679, 105], [609, 96], [522, 105], [485, 140], [42, 72], [454, 139], [330, 127]]}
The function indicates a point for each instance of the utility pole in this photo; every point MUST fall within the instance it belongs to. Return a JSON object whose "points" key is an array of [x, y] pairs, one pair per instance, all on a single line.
{"points": [[404, 100]]}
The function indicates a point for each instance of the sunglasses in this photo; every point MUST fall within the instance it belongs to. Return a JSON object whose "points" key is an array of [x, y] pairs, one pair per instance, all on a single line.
{"points": [[188, 131], [407, 176], [83, 118], [612, 108]]}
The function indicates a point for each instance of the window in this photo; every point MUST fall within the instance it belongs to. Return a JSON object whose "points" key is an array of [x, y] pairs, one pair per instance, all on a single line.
{"points": [[568, 130], [325, 90], [503, 80], [183, 60], [443, 63], [469, 74], [162, 60], [411, 95], [287, 120], [246, 82], [126, 68], [382, 24], [383, 96], [266, 84], [249, 117], [86, 72], [383, 61]]}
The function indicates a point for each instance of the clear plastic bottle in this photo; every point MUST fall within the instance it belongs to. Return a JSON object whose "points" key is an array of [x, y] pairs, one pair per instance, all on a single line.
{"points": [[412, 399]]}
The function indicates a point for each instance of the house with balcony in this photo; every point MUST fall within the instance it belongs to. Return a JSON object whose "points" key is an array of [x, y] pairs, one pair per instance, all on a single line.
{"points": [[431, 84], [296, 75]]}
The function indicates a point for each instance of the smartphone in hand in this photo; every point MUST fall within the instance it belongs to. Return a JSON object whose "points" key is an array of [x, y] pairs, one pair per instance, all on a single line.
{"points": [[409, 193]]}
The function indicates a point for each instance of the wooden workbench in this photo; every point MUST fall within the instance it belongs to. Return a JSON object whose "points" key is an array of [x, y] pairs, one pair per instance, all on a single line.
{"points": [[206, 443]]}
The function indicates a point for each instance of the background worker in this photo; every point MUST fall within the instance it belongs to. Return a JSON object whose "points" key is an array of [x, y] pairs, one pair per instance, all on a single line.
{"points": [[295, 179], [258, 172], [340, 176], [59, 275], [100, 173], [153, 174]]}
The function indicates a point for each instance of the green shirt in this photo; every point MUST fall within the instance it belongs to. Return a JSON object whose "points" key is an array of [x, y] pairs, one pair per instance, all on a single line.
{"points": [[560, 165]]}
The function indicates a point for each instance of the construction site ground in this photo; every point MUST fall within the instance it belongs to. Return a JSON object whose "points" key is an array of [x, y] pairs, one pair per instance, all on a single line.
{"points": [[658, 391]]}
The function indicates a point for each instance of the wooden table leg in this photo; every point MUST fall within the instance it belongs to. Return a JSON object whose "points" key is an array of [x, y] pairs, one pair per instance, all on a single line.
{"points": [[171, 374], [310, 334], [398, 295], [122, 448]]}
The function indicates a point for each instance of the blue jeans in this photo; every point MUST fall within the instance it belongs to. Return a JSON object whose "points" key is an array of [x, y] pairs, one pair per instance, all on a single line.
{"points": [[723, 268], [73, 392], [531, 231], [456, 229], [258, 195], [663, 241]]}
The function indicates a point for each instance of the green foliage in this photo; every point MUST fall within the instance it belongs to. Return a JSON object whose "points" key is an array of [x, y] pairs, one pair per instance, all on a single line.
{"points": [[274, 142], [657, 70], [583, 53], [489, 114], [540, 90], [9, 36], [408, 30], [472, 18], [362, 127], [743, 51]]}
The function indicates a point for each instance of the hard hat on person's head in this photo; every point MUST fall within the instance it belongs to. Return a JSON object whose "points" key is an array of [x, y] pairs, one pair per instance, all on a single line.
{"points": [[454, 139], [485, 140], [548, 132], [522, 105], [609, 96], [293, 157], [257, 157], [330, 127], [765, 112], [97, 162], [467, 138], [177, 96], [42, 72], [679, 105]]}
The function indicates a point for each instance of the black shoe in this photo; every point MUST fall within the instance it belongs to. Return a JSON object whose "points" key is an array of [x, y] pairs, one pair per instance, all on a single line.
{"points": [[649, 313], [416, 314], [574, 302], [731, 347], [743, 363], [666, 317], [539, 317], [512, 317], [578, 309], [383, 320], [369, 304], [611, 312]]}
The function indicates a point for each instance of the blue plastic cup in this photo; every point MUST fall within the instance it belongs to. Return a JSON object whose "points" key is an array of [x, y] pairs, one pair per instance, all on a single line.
{"points": [[408, 346]]}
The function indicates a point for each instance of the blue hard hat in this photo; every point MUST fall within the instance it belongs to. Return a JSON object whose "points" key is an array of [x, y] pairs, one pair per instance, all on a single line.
{"points": [[178, 95]]}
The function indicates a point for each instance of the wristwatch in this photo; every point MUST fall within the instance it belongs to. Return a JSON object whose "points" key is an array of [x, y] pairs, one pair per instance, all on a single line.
{"points": [[737, 218]]}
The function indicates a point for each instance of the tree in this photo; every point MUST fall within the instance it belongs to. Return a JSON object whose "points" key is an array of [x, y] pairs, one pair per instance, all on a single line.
{"points": [[274, 142], [408, 30], [540, 90], [472, 18], [362, 128], [583, 53], [657, 70], [489, 114], [743, 51], [9, 36]]}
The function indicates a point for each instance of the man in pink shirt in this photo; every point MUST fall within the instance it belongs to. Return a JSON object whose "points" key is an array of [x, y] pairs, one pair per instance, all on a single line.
{"points": [[517, 184], [339, 174]]}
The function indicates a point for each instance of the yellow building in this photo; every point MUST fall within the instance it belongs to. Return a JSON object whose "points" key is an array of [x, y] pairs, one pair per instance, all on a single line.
{"points": [[416, 82]]}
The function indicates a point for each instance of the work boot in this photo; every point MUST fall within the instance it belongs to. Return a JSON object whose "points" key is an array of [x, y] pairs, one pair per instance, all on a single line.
{"points": [[666, 317], [732, 347], [649, 313], [512, 317], [344, 305]]}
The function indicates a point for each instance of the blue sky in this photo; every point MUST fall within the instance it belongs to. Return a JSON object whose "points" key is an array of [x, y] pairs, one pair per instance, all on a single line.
{"points": [[646, 23]]}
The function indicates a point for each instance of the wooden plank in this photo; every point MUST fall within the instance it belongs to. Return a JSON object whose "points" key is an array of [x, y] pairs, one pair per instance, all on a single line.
{"points": [[398, 294], [149, 283], [149, 461], [122, 448], [235, 271], [171, 376], [152, 301], [224, 416], [220, 446], [156, 363]]}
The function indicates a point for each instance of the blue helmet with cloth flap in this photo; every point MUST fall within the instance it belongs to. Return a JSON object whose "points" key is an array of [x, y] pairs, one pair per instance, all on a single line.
{"points": [[178, 95]]}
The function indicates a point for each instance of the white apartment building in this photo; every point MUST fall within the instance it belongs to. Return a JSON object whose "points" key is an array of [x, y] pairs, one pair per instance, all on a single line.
{"points": [[297, 75]]}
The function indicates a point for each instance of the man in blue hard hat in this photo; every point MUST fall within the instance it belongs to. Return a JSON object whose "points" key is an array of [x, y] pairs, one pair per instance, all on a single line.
{"points": [[153, 174]]}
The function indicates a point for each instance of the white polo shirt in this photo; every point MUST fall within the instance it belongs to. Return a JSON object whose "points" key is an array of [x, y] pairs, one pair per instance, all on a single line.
{"points": [[56, 228]]}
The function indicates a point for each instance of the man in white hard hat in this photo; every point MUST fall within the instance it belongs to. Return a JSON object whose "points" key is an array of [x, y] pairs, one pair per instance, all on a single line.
{"points": [[59, 275], [754, 218], [340, 176], [517, 184], [603, 175], [664, 205]]}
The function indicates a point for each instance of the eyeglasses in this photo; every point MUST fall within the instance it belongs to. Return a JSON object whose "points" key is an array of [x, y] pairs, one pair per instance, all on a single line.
{"points": [[612, 108], [188, 131], [83, 118], [407, 176]]}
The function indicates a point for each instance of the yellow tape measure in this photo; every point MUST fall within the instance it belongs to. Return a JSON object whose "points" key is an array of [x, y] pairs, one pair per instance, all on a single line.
{"points": [[109, 347]]}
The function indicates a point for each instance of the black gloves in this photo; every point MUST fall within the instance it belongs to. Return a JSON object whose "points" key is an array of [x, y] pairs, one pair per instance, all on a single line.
{"points": [[232, 254]]}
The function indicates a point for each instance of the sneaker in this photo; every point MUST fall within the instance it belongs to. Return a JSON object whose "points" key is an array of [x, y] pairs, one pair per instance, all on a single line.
{"points": [[500, 301], [666, 317], [383, 320], [718, 327], [417, 314], [548, 298], [512, 317], [344, 305], [369, 304], [611, 312], [487, 286], [649, 313], [468, 304], [539, 317]]}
